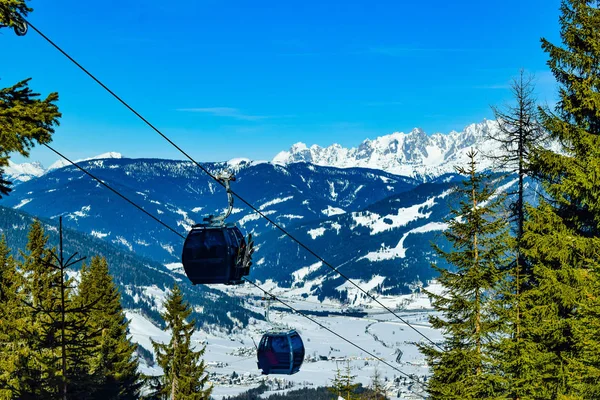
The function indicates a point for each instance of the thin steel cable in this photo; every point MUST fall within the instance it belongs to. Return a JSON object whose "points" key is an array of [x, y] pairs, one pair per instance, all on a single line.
{"points": [[275, 224], [115, 191], [416, 380]]}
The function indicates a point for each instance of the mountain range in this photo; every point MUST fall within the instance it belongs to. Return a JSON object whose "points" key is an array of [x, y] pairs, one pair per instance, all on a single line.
{"points": [[414, 154], [371, 211]]}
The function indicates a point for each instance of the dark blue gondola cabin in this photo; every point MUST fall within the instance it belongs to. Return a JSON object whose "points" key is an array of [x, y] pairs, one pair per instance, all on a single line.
{"points": [[280, 353], [212, 255]]}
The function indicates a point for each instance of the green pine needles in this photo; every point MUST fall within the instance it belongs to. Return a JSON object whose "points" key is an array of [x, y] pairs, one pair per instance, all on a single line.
{"points": [[57, 342], [521, 314], [478, 234], [24, 121], [184, 376]]}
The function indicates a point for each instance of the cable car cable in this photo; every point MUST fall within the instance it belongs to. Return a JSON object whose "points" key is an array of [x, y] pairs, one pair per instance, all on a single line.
{"points": [[116, 192], [416, 380], [232, 192]]}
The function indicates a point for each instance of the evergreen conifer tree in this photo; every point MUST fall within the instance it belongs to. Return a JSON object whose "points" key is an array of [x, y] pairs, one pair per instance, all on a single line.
{"points": [[113, 361], [562, 321], [10, 306], [337, 383], [343, 383], [8, 8], [38, 366], [24, 121], [520, 134], [479, 237], [376, 386], [53, 330], [184, 376]]}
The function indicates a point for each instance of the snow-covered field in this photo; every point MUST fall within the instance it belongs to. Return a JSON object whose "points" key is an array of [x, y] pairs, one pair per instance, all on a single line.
{"points": [[379, 333]]}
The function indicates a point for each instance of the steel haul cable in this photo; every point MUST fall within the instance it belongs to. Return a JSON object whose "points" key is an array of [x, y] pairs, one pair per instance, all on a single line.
{"points": [[414, 379], [275, 224]]}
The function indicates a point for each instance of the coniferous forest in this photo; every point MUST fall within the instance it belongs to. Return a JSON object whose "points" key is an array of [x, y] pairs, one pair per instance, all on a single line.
{"points": [[520, 310]]}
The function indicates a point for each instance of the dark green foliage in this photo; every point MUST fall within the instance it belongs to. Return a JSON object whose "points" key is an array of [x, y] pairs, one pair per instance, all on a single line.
{"points": [[59, 343], [321, 393], [520, 135], [24, 121], [8, 9], [184, 376], [56, 324], [343, 383], [10, 303], [479, 238], [561, 322], [113, 361]]}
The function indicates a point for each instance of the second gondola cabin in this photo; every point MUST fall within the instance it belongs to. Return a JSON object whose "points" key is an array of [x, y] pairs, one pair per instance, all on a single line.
{"points": [[280, 353]]}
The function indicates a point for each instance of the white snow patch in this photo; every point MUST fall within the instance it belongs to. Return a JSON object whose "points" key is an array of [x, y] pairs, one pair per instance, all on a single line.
{"points": [[315, 233], [403, 216], [302, 272], [175, 267], [332, 192], [99, 234], [329, 211], [366, 286], [63, 163], [336, 226], [22, 203], [291, 216], [274, 201], [388, 253], [124, 242], [82, 213], [168, 248], [253, 217]]}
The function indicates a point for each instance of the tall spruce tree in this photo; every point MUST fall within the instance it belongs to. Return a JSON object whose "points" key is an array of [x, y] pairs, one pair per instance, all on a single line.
{"points": [[519, 135], [562, 235], [478, 234], [53, 330], [10, 306], [184, 376], [39, 366], [113, 362]]}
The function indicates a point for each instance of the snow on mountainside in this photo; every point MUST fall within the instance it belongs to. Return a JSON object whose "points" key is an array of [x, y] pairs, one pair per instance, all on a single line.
{"points": [[413, 154], [297, 193], [63, 163], [17, 173]]}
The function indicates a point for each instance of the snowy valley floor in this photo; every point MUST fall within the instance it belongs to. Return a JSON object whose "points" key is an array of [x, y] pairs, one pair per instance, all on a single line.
{"points": [[379, 333]]}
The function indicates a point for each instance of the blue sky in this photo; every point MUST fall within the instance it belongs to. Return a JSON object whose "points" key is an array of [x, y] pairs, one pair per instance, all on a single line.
{"points": [[231, 79]]}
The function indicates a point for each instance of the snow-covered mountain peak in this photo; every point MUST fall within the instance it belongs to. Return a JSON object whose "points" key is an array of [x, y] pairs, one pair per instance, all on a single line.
{"points": [[414, 154], [63, 163], [23, 172]]}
